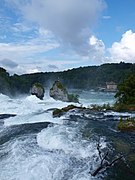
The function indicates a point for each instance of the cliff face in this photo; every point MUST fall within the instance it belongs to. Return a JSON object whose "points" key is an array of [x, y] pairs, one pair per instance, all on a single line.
{"points": [[59, 92], [38, 90]]}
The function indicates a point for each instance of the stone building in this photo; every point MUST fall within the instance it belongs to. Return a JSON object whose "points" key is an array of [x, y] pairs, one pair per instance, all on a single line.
{"points": [[111, 86]]}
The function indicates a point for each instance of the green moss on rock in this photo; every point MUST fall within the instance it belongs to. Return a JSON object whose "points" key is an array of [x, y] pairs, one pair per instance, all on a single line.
{"points": [[59, 92], [57, 112], [39, 85], [73, 98], [96, 107], [60, 112], [124, 107], [60, 85], [127, 125]]}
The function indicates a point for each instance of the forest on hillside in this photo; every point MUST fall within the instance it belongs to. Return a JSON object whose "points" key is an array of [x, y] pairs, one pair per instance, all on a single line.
{"points": [[90, 77]]}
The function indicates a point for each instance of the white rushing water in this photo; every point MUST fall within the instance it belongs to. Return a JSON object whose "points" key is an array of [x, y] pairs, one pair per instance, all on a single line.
{"points": [[58, 152]]}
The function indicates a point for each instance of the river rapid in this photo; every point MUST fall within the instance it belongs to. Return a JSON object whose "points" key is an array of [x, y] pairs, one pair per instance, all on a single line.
{"points": [[36, 146]]}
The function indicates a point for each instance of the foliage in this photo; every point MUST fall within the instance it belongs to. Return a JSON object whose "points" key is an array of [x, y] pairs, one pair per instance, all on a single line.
{"points": [[79, 78], [84, 78], [39, 85], [126, 95], [126, 125], [5, 84], [69, 107], [126, 91], [124, 107], [60, 85], [59, 112], [73, 98], [96, 107]]}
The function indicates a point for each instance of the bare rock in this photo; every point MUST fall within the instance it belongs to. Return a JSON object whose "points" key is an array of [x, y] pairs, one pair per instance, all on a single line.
{"points": [[59, 92], [38, 90]]}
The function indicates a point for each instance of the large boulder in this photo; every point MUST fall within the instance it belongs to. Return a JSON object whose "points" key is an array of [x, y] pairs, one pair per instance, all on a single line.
{"points": [[59, 92], [38, 90]]}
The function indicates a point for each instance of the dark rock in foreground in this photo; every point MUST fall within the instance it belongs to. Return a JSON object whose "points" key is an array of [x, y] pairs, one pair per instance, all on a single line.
{"points": [[12, 132], [5, 116], [60, 112]]}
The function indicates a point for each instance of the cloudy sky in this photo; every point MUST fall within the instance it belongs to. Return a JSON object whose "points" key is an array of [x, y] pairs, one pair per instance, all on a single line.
{"points": [[53, 35]]}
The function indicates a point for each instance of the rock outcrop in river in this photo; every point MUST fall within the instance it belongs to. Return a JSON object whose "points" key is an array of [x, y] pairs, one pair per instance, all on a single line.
{"points": [[59, 92], [38, 90]]}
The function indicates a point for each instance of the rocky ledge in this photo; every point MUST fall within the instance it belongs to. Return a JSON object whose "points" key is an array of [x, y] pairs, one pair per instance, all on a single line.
{"points": [[59, 112]]}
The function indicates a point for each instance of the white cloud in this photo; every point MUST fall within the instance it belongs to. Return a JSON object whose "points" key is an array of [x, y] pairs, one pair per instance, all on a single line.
{"points": [[71, 21], [124, 50], [41, 65], [106, 17], [7, 63], [97, 44], [26, 68], [20, 27], [53, 67], [24, 55], [97, 50], [24, 51], [44, 25]]}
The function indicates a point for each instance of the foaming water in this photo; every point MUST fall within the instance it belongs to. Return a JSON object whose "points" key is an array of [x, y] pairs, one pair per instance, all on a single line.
{"points": [[32, 118], [30, 109], [67, 141], [55, 153], [27, 104], [58, 152]]}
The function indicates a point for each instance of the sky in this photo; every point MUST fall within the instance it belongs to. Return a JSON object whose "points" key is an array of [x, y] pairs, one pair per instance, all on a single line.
{"points": [[55, 35]]}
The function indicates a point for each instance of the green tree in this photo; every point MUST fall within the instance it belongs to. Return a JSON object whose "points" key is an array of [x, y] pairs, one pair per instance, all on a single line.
{"points": [[126, 91]]}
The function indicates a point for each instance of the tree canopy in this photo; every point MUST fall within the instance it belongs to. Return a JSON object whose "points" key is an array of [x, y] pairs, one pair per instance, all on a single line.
{"points": [[126, 91], [90, 77]]}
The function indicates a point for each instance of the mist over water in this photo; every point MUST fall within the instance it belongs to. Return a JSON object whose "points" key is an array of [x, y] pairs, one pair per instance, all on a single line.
{"points": [[95, 97], [34, 145]]}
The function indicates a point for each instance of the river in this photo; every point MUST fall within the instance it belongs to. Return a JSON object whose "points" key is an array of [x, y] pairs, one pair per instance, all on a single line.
{"points": [[36, 146]]}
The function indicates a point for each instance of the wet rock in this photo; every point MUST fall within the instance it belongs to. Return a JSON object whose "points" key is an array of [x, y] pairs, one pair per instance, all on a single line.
{"points": [[14, 131], [38, 90], [60, 112], [59, 92], [5, 116]]}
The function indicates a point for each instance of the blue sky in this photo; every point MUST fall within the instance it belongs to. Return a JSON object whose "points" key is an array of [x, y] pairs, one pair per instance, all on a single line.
{"points": [[53, 35], [122, 15]]}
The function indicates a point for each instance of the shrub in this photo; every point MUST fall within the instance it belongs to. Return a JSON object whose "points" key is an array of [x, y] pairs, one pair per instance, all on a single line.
{"points": [[73, 98], [126, 125]]}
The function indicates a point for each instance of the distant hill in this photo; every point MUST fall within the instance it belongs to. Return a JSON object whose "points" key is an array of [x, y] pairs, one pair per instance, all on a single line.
{"points": [[79, 78]]}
